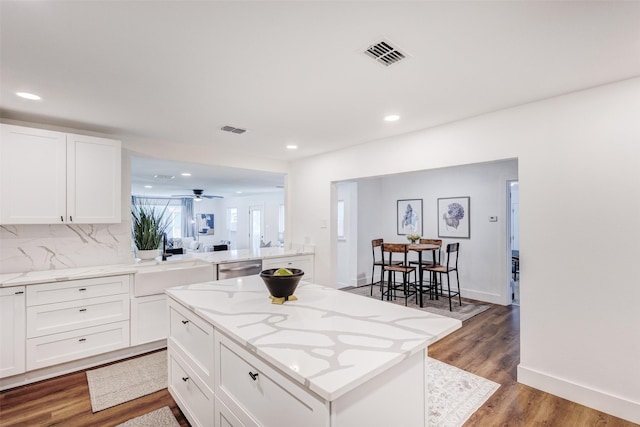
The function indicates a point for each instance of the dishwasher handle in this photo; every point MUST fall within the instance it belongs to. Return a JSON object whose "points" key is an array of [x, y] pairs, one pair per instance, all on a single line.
{"points": [[241, 268]]}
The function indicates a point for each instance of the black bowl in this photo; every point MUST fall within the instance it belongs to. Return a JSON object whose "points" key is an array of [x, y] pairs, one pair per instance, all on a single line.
{"points": [[281, 286]]}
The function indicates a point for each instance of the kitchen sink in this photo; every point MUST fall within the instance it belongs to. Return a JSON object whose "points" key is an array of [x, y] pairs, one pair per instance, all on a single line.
{"points": [[152, 279]]}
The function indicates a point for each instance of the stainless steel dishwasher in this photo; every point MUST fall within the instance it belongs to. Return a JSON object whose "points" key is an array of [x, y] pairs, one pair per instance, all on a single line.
{"points": [[227, 270]]}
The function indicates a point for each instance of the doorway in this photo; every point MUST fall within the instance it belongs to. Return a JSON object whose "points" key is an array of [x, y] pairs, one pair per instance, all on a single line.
{"points": [[513, 231]]}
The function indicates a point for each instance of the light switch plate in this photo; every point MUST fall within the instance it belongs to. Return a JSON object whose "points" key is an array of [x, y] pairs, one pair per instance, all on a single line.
{"points": [[493, 219]]}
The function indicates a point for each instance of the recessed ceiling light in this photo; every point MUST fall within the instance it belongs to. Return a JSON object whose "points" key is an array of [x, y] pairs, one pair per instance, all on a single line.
{"points": [[292, 147], [148, 186], [27, 95], [185, 174], [238, 192], [392, 118]]}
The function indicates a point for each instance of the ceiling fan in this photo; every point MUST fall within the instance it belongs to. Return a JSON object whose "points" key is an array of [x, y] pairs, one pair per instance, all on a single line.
{"points": [[197, 195]]}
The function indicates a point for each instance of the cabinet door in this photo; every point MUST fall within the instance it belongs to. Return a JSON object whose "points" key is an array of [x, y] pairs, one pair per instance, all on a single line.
{"points": [[93, 180], [12, 331], [32, 175], [149, 319]]}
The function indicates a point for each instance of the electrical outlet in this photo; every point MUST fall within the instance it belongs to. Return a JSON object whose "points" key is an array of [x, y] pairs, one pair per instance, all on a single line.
{"points": [[493, 219]]}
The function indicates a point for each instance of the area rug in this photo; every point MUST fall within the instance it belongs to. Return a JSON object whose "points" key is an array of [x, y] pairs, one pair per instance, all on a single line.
{"points": [[118, 383], [162, 417], [439, 306], [454, 394]]}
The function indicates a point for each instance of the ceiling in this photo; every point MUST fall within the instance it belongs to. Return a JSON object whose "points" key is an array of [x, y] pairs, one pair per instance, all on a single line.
{"points": [[294, 72]]}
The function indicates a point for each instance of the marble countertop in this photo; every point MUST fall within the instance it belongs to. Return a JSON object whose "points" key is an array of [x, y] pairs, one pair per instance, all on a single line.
{"points": [[329, 341], [46, 276]]}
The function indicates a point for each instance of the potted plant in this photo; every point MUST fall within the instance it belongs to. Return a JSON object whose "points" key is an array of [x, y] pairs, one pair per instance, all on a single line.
{"points": [[149, 225], [413, 238]]}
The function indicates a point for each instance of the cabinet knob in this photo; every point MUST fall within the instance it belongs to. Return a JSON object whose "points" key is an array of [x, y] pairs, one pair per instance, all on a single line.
{"points": [[253, 376], [185, 379], [184, 322]]}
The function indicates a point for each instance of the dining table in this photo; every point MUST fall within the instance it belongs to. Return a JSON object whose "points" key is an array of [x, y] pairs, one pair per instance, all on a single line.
{"points": [[420, 248]]}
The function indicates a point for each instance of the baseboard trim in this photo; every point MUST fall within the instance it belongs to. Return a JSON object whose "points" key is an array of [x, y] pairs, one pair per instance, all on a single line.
{"points": [[78, 365], [483, 296], [596, 399]]}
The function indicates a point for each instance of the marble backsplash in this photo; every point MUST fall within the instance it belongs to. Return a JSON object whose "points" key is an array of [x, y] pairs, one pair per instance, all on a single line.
{"points": [[26, 248]]}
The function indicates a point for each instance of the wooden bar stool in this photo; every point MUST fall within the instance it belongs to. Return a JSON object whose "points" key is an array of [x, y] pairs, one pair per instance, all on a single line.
{"points": [[392, 267], [451, 266]]}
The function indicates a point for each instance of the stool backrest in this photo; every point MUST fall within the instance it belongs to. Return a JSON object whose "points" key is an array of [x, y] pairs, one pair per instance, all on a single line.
{"points": [[453, 251], [433, 242], [392, 248], [376, 243]]}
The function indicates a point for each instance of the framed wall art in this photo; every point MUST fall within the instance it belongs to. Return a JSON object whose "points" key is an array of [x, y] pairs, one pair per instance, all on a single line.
{"points": [[409, 216], [453, 217]]}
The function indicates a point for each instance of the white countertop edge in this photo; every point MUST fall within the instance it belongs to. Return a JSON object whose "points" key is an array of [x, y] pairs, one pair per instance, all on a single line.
{"points": [[75, 273]]}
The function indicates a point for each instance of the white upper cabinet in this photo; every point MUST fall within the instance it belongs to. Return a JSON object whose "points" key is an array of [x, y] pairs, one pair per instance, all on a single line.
{"points": [[50, 177]]}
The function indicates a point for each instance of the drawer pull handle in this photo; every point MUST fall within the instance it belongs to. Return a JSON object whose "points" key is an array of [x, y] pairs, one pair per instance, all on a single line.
{"points": [[82, 289], [82, 340], [184, 322], [185, 379], [83, 309], [253, 376], [19, 292], [61, 218]]}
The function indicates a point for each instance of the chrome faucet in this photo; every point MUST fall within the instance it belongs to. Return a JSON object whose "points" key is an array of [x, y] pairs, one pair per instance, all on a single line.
{"points": [[164, 247]]}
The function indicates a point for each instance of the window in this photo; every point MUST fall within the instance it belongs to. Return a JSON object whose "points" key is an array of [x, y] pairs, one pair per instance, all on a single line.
{"points": [[232, 219], [173, 213]]}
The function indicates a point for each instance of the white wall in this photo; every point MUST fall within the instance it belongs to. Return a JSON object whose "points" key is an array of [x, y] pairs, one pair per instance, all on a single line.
{"points": [[578, 166], [484, 272]]}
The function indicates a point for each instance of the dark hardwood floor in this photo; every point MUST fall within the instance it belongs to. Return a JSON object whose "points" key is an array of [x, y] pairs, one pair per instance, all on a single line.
{"points": [[487, 345]]}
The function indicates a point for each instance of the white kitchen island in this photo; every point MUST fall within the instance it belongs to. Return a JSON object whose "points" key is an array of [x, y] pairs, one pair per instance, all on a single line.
{"points": [[329, 359]]}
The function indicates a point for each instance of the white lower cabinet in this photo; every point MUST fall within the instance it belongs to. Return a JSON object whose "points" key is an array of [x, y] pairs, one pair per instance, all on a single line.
{"points": [[73, 319], [149, 319], [12, 331], [190, 392], [258, 395], [224, 417], [192, 339], [66, 346]]}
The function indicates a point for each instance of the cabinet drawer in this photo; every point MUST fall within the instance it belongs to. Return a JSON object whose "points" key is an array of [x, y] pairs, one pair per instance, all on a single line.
{"points": [[72, 290], [66, 316], [64, 347], [192, 338], [224, 417], [257, 393], [195, 398]]}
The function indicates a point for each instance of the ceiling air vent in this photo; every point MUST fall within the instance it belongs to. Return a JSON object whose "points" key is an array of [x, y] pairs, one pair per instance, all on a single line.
{"points": [[232, 129], [385, 53]]}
